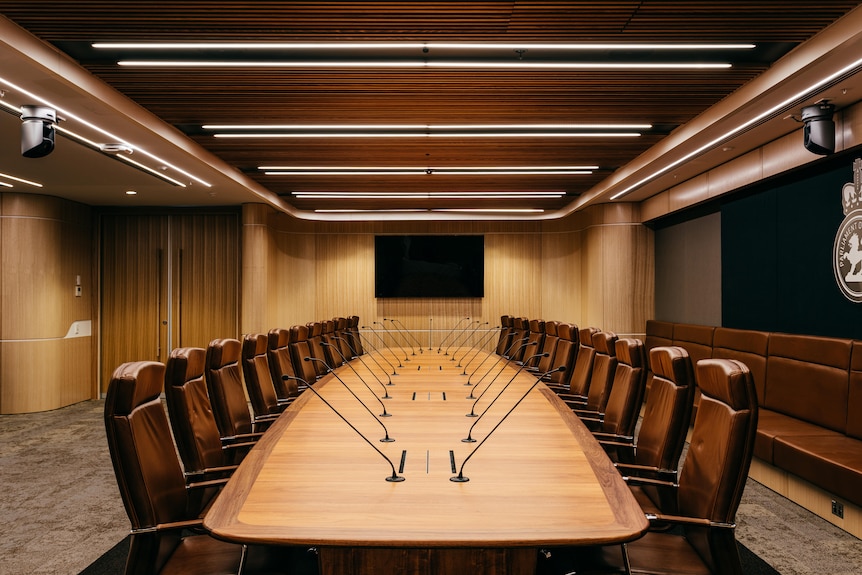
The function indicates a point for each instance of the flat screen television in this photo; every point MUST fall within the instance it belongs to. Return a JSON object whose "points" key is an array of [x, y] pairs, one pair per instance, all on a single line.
{"points": [[429, 266]]}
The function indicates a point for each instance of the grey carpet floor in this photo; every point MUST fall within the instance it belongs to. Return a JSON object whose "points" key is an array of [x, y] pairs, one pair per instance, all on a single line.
{"points": [[60, 509]]}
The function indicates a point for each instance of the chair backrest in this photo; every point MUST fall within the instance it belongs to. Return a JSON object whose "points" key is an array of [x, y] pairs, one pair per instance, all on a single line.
{"points": [[257, 375], [146, 467], [278, 354], [224, 383], [505, 334], [355, 339], [191, 415], [520, 330], [549, 346], [566, 353], [667, 411], [535, 335], [716, 466], [315, 349], [604, 368], [299, 350], [333, 356], [343, 337], [579, 382], [626, 396]]}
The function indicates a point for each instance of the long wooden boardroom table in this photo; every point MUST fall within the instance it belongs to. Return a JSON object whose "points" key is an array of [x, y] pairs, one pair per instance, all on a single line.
{"points": [[539, 480]]}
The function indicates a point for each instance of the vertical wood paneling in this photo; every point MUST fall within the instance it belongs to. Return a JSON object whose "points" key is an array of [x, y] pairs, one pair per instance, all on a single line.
{"points": [[45, 242], [561, 276]]}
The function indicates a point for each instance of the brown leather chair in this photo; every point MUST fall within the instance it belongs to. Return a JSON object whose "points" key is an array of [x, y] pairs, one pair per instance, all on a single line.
{"points": [[626, 396], [299, 350], [153, 489], [506, 333], [355, 338], [223, 375], [520, 330], [710, 485], [280, 365], [316, 350], [258, 378], [664, 425], [566, 354], [196, 434], [333, 357], [342, 337], [549, 346], [582, 371], [602, 378], [535, 340]]}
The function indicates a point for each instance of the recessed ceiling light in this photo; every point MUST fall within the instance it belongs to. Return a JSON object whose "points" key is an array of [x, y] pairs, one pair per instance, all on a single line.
{"points": [[131, 193]]}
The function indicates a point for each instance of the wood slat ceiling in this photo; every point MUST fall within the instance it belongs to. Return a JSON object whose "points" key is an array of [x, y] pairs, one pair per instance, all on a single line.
{"points": [[189, 99]]}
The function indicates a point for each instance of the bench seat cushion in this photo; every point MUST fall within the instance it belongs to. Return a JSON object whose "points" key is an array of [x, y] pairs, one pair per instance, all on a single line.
{"points": [[771, 425], [832, 461]]}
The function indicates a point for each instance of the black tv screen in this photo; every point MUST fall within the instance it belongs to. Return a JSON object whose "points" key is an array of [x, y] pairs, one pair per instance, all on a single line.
{"points": [[429, 266]]}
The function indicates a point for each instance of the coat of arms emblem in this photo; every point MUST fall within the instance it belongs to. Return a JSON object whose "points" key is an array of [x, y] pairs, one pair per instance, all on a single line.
{"points": [[847, 252]]}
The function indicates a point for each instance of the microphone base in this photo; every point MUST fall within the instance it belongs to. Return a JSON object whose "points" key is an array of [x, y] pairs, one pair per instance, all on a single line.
{"points": [[468, 440], [394, 478], [387, 440], [385, 415], [459, 479]]}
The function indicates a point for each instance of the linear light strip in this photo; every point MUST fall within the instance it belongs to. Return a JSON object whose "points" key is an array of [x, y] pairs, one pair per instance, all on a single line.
{"points": [[424, 197], [519, 65], [456, 127], [112, 137], [548, 193], [423, 169], [17, 179], [5, 184], [810, 90], [150, 170], [432, 171], [241, 135], [586, 46]]}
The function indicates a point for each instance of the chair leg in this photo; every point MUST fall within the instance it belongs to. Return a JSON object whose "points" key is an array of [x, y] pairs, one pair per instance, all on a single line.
{"points": [[626, 563], [242, 557]]}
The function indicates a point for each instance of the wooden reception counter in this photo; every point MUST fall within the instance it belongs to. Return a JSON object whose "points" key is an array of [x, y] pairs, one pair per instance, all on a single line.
{"points": [[539, 480]]}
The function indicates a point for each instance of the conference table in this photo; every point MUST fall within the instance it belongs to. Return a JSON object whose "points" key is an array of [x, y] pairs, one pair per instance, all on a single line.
{"points": [[539, 480]]}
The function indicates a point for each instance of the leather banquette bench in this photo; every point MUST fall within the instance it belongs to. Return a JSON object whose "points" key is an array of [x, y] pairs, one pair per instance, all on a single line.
{"points": [[809, 390]]}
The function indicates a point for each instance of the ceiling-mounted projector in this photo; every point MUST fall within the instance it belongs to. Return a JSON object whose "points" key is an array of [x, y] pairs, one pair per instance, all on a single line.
{"points": [[37, 131], [819, 131]]}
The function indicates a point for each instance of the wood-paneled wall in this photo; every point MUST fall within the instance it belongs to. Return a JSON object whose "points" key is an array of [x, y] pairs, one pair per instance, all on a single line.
{"points": [[594, 268], [45, 245]]}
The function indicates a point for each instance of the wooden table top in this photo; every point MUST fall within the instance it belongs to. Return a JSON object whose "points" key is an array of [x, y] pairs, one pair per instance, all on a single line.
{"points": [[539, 479]]}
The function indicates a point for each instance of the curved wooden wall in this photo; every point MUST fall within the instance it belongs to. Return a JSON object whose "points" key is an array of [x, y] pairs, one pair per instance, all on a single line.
{"points": [[46, 346]]}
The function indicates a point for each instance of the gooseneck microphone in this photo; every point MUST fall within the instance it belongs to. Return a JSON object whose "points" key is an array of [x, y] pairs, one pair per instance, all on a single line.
{"points": [[395, 341], [394, 478], [347, 363], [362, 361], [469, 438], [380, 353], [520, 369], [469, 334], [451, 331], [493, 379], [386, 438], [460, 478], [384, 346], [408, 332], [404, 337], [478, 347], [499, 359]]}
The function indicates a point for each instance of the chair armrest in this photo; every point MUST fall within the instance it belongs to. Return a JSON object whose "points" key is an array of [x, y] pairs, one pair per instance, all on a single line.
{"points": [[228, 440], [207, 483], [244, 444], [201, 475], [661, 518], [172, 526], [614, 438]]}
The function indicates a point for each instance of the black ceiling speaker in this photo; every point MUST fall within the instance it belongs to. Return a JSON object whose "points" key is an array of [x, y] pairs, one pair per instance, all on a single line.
{"points": [[37, 131], [819, 130]]}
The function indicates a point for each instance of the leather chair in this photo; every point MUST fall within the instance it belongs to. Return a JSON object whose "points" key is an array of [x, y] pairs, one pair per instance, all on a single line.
{"points": [[520, 330], [626, 396], [258, 378], [196, 434], [154, 491], [710, 485], [333, 357], [343, 337], [299, 350], [355, 338], [223, 375], [315, 349], [278, 356], [582, 371], [549, 346], [663, 429], [535, 340], [566, 354], [602, 378], [506, 333]]}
